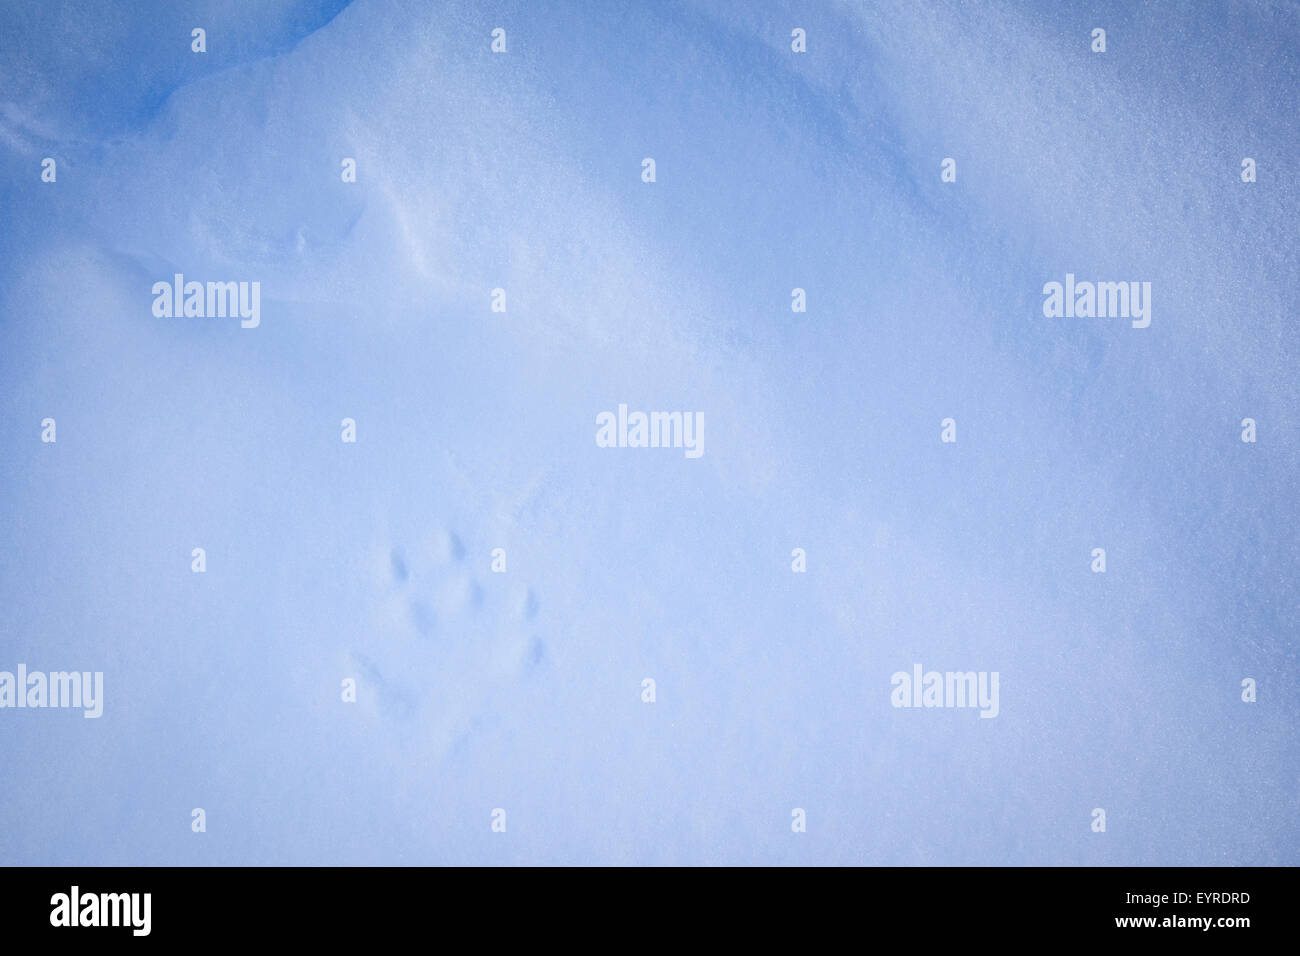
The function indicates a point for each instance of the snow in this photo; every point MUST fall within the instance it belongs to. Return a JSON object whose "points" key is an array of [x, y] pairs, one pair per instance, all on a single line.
{"points": [[522, 690]]}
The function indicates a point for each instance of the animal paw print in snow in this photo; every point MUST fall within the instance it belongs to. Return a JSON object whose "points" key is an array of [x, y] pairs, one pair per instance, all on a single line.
{"points": [[448, 636]]}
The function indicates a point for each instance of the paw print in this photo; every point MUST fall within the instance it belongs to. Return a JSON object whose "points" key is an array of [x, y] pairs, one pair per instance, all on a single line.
{"points": [[447, 639]]}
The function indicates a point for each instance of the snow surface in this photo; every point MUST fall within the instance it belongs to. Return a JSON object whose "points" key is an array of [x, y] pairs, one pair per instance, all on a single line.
{"points": [[475, 431]]}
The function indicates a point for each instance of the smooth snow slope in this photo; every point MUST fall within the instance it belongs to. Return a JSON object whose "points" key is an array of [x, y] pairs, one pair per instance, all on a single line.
{"points": [[476, 431]]}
